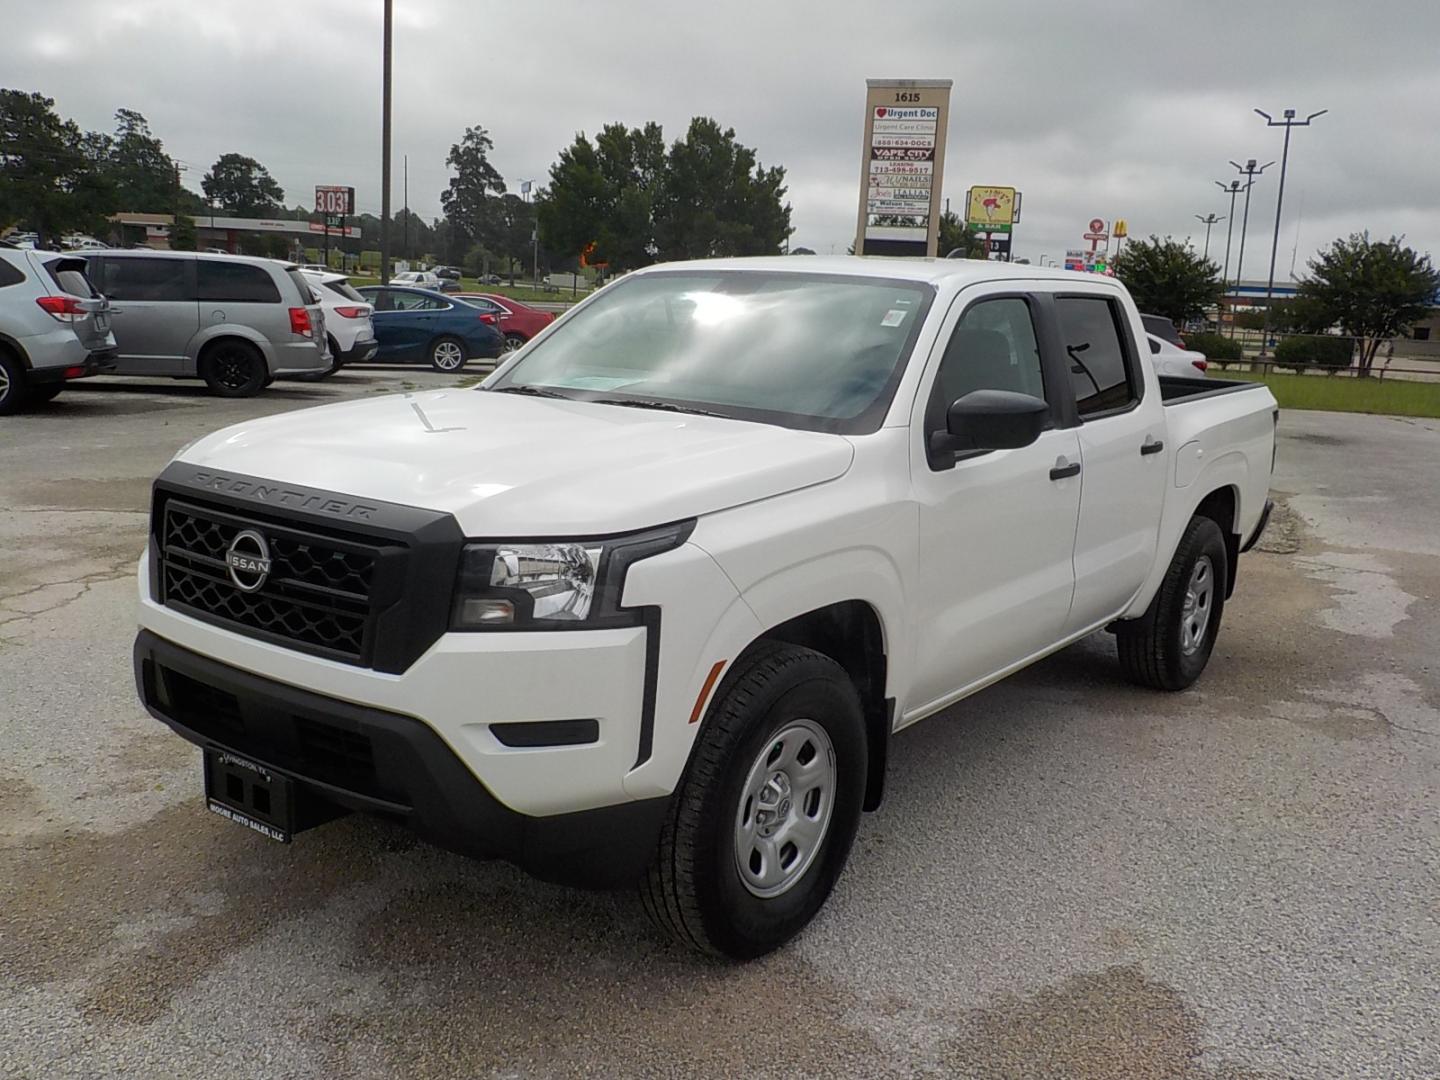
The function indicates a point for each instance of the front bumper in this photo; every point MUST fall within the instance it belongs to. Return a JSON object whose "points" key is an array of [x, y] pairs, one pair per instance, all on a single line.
{"points": [[388, 763]]}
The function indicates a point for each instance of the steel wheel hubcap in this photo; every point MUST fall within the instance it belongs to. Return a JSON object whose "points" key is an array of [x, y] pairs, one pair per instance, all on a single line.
{"points": [[448, 355], [1195, 612], [785, 807]]}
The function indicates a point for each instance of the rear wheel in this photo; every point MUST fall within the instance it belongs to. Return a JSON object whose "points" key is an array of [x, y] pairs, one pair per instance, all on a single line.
{"points": [[513, 341], [762, 822], [14, 393], [234, 369], [447, 354], [1168, 647]]}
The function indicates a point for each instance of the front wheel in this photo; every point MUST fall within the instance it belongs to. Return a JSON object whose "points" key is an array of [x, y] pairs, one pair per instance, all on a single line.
{"points": [[1168, 647], [233, 369], [762, 822], [447, 354]]}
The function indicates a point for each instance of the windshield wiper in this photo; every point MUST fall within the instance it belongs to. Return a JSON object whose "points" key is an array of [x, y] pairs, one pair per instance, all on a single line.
{"points": [[663, 406], [533, 391]]}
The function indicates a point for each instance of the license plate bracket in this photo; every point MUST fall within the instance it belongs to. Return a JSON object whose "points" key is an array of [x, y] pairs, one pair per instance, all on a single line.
{"points": [[250, 794]]}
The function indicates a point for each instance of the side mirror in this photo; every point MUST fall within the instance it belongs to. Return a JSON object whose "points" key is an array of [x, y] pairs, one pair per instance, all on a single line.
{"points": [[994, 420]]}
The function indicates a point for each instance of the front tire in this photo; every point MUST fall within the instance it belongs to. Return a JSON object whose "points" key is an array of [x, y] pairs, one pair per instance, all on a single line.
{"points": [[1168, 647], [763, 820], [447, 355], [233, 369]]}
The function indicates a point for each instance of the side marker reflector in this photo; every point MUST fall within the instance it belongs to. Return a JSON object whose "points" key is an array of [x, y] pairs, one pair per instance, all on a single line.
{"points": [[710, 681]]}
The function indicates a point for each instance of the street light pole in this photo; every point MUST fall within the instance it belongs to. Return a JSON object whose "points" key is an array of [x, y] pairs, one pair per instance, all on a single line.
{"points": [[1207, 221], [385, 151], [1249, 171], [1233, 189], [1287, 123]]}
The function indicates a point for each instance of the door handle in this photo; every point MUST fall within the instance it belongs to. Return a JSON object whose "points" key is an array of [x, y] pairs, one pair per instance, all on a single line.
{"points": [[1151, 446], [1062, 472]]}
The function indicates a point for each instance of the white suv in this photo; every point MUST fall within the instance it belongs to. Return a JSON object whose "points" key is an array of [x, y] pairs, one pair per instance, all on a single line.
{"points": [[418, 279], [347, 318]]}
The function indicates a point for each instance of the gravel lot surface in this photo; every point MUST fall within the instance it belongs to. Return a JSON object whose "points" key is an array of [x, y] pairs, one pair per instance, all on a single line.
{"points": [[1070, 877]]}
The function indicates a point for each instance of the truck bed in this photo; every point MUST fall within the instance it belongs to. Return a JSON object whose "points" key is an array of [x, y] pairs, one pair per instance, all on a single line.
{"points": [[1175, 389]]}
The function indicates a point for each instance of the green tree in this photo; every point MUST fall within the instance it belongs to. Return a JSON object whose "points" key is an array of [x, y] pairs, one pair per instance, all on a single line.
{"points": [[241, 186], [603, 194], [469, 200], [1298, 315], [1373, 289], [183, 235], [954, 235], [51, 175], [1168, 278], [716, 199], [142, 173]]}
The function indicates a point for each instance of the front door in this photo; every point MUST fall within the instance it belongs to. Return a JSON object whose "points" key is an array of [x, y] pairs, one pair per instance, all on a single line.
{"points": [[153, 311], [996, 528]]}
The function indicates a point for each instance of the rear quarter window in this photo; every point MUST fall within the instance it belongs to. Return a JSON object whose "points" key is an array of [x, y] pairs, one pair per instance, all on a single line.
{"points": [[9, 274]]}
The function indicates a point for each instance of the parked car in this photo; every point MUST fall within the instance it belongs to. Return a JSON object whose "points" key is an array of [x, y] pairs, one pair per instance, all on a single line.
{"points": [[418, 279], [24, 239], [518, 322], [1162, 327], [54, 326], [1172, 360], [491, 279], [447, 273], [236, 322], [348, 323], [423, 326], [650, 602]]}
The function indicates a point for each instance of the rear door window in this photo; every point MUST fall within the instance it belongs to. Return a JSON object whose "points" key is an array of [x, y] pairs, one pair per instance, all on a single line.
{"points": [[235, 283], [1100, 371], [147, 278]]}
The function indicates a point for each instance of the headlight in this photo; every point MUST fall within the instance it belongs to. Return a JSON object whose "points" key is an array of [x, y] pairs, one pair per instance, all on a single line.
{"points": [[564, 584]]}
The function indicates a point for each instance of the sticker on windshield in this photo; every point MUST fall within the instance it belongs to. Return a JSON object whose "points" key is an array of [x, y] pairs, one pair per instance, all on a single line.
{"points": [[893, 317]]}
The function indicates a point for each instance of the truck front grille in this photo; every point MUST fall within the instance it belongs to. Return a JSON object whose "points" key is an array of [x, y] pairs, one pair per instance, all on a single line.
{"points": [[317, 594]]}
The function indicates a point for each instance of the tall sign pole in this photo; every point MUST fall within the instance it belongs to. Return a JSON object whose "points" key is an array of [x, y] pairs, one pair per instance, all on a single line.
{"points": [[1287, 123], [385, 151], [902, 166]]}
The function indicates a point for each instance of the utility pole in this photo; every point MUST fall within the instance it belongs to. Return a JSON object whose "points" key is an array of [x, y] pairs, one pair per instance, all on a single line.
{"points": [[385, 150], [1287, 123], [405, 245], [1207, 221], [175, 218], [1233, 189], [1249, 171]]}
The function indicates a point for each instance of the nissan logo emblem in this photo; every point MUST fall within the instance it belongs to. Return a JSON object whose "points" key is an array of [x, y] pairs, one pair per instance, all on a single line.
{"points": [[248, 560]]}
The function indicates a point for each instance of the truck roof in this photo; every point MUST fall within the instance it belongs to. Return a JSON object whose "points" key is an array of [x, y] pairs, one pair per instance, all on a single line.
{"points": [[933, 271]]}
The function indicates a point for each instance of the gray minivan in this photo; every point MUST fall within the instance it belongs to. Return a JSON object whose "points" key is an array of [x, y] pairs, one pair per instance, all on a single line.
{"points": [[234, 321]]}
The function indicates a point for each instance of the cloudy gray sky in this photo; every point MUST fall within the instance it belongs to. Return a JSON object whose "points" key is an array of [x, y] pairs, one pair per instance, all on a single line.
{"points": [[1109, 108]]}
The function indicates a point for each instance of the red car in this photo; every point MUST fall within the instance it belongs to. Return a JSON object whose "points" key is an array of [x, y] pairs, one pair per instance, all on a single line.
{"points": [[518, 322]]}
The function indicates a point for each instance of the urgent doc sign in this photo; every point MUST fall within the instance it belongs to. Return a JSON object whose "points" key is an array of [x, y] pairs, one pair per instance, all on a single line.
{"points": [[334, 201], [902, 166]]}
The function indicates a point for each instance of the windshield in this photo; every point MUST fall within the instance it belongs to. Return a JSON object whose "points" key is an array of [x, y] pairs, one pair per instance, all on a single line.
{"points": [[813, 351]]}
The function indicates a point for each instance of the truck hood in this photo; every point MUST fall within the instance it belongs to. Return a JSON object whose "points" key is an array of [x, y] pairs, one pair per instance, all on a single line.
{"points": [[506, 465]]}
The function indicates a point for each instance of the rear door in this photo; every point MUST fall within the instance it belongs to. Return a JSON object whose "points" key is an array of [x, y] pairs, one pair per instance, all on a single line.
{"points": [[400, 323], [1122, 432], [244, 293], [153, 311]]}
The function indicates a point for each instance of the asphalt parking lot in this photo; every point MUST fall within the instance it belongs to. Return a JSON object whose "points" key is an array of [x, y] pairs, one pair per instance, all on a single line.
{"points": [[1070, 877]]}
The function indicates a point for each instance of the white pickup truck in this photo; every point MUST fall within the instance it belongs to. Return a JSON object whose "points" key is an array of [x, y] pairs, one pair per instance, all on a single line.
{"points": [[649, 603]]}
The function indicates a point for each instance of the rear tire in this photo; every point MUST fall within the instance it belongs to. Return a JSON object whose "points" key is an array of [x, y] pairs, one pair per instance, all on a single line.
{"points": [[447, 355], [761, 824], [1168, 647], [233, 369], [514, 341], [14, 390]]}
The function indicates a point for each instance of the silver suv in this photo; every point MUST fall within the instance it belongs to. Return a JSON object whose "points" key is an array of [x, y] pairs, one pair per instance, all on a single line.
{"points": [[236, 322], [53, 326]]}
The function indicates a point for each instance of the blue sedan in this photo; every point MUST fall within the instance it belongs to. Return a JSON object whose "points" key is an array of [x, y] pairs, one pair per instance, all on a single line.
{"points": [[417, 325]]}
